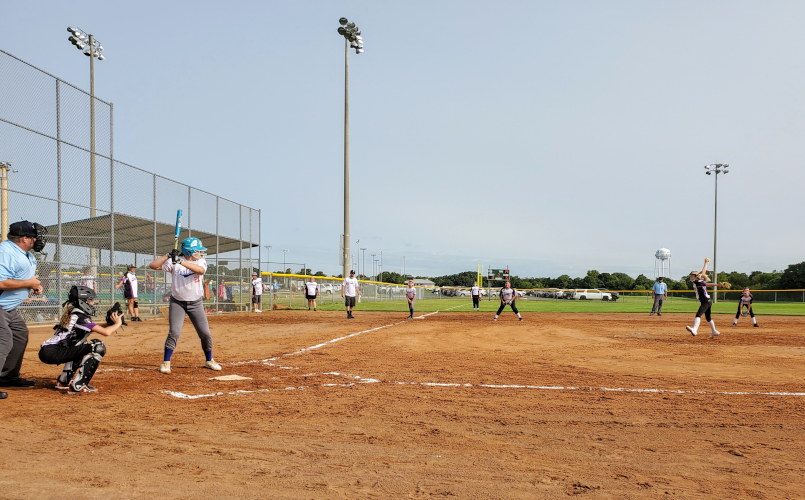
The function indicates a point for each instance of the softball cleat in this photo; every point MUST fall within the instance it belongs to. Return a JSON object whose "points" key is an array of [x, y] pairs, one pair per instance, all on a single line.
{"points": [[60, 386], [165, 367], [212, 365], [691, 330], [714, 334]]}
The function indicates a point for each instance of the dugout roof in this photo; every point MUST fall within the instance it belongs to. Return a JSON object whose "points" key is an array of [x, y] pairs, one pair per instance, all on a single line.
{"points": [[134, 235]]}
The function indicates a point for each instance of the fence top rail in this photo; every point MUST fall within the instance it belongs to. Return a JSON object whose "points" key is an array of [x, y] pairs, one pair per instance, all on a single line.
{"points": [[52, 76]]}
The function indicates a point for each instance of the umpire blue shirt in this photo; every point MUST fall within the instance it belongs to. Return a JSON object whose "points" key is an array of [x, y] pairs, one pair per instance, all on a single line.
{"points": [[15, 264], [660, 288]]}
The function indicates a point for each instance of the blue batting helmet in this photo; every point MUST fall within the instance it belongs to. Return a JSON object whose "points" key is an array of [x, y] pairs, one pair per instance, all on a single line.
{"points": [[191, 246]]}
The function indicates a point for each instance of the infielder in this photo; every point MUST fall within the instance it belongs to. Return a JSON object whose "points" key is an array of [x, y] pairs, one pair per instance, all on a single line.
{"points": [[129, 284], [700, 285], [69, 345], [349, 291], [257, 291], [507, 297], [410, 294], [186, 268], [311, 292], [745, 301], [475, 291]]}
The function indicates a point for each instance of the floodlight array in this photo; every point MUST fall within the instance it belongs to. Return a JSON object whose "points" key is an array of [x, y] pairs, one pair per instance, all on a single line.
{"points": [[717, 168], [352, 33], [81, 40]]}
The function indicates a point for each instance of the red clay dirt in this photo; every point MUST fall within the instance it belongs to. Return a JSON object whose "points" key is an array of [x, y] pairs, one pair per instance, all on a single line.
{"points": [[432, 407]]}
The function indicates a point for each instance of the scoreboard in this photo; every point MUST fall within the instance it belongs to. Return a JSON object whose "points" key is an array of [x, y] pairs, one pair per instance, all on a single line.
{"points": [[498, 274]]}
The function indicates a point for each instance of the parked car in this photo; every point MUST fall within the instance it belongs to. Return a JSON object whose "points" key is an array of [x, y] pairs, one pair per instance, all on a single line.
{"points": [[325, 288], [589, 294], [613, 295]]}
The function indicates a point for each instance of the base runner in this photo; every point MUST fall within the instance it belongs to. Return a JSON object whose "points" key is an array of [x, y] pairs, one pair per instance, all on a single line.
{"points": [[186, 268], [311, 292], [507, 297], [69, 345], [475, 291], [410, 294], [700, 284], [745, 301]]}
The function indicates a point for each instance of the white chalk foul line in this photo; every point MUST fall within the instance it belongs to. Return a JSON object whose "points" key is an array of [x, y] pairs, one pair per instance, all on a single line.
{"points": [[181, 395]]}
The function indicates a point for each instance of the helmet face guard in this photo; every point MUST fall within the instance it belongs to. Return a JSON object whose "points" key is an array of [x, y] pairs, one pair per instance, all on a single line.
{"points": [[78, 297], [41, 238], [192, 246]]}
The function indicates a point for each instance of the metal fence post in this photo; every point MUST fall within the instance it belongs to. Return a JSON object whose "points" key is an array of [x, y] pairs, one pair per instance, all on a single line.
{"points": [[112, 206], [58, 256], [240, 256], [217, 253], [165, 279]]}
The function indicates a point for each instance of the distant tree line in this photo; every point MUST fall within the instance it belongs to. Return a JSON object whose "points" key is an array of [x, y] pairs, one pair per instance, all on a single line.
{"points": [[793, 277]]}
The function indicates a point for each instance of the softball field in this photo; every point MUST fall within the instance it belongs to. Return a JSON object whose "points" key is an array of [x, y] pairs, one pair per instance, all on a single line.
{"points": [[447, 405]]}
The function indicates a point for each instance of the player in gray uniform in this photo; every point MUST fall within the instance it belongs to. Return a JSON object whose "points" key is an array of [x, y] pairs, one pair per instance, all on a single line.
{"points": [[187, 294], [507, 297], [745, 301], [410, 294]]}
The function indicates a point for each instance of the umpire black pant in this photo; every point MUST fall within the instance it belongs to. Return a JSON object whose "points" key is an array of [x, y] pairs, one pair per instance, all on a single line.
{"points": [[13, 341], [658, 300], [503, 304]]}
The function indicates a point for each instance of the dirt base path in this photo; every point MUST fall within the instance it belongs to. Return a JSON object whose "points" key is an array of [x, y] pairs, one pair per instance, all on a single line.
{"points": [[448, 405]]}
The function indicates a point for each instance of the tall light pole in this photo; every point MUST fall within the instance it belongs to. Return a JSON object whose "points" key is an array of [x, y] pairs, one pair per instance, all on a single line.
{"points": [[5, 168], [373, 267], [716, 168], [381, 266], [268, 257], [92, 48], [284, 251], [404, 275], [352, 39], [363, 258]]}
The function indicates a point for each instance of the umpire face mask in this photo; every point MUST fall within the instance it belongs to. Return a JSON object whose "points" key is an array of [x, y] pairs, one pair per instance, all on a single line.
{"points": [[41, 239]]}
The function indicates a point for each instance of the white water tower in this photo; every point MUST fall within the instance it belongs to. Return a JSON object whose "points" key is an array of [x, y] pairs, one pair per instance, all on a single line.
{"points": [[662, 263]]}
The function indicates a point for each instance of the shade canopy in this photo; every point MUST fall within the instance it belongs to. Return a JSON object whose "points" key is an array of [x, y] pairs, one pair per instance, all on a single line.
{"points": [[135, 235]]}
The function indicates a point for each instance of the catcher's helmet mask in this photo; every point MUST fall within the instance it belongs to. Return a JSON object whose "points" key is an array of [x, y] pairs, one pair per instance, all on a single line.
{"points": [[78, 297]]}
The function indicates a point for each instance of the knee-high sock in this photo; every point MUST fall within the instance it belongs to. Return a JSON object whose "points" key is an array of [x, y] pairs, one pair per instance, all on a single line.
{"points": [[712, 325], [696, 323]]}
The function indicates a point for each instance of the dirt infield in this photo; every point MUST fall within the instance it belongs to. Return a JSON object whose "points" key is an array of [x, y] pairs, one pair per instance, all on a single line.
{"points": [[449, 405]]}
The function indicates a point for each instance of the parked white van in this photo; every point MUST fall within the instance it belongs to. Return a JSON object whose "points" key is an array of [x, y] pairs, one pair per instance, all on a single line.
{"points": [[589, 294]]}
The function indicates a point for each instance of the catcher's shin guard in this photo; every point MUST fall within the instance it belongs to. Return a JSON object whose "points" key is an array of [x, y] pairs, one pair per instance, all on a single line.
{"points": [[89, 364]]}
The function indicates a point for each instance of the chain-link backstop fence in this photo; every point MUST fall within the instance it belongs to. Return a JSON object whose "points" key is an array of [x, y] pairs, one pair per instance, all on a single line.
{"points": [[102, 214]]}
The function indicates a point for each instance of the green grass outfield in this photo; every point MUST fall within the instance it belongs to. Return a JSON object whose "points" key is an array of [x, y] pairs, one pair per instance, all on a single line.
{"points": [[632, 305]]}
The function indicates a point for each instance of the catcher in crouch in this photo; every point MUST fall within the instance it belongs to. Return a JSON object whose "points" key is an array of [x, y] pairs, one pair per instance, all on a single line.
{"points": [[507, 297], [700, 284], [69, 345]]}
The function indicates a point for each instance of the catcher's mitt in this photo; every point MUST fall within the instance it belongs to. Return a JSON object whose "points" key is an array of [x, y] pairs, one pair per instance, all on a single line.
{"points": [[725, 285], [115, 309]]}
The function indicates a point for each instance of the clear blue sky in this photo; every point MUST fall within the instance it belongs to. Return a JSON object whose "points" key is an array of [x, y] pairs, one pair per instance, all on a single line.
{"points": [[552, 137]]}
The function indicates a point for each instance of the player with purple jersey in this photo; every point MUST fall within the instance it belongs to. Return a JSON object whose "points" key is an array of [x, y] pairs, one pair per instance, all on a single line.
{"points": [[700, 284], [507, 297]]}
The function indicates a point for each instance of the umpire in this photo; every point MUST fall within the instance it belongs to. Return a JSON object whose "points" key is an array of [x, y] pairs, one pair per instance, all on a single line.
{"points": [[17, 276], [660, 293]]}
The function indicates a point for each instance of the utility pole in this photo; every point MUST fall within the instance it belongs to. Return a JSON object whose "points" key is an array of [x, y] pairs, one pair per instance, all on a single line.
{"points": [[716, 168]]}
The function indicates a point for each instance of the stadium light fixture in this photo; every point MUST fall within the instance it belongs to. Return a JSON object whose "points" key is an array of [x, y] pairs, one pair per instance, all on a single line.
{"points": [[352, 39], [715, 169], [93, 49]]}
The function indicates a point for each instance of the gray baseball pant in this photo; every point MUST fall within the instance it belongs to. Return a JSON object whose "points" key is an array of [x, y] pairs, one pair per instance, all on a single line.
{"points": [[13, 341], [195, 310], [658, 300]]}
